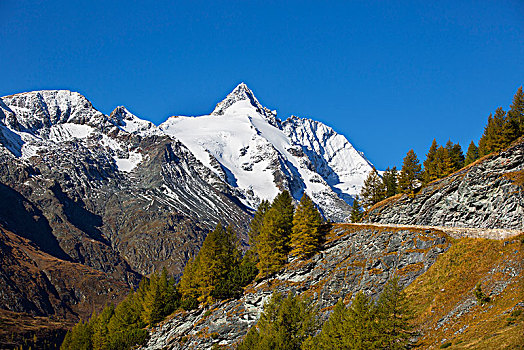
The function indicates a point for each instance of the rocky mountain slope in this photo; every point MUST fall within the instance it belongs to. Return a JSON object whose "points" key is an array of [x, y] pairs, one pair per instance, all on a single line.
{"points": [[124, 198], [41, 295], [485, 194], [441, 274], [440, 267], [353, 259], [38, 283], [448, 313]]}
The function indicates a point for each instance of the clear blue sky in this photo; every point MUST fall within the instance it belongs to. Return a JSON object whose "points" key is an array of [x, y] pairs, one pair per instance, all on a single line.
{"points": [[390, 75]]}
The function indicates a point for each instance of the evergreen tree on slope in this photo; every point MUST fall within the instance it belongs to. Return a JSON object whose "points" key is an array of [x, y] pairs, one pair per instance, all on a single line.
{"points": [[356, 211], [394, 315], [254, 228], [273, 241], [285, 324], [472, 154], [305, 235], [373, 190], [516, 111], [390, 179], [493, 138], [443, 162], [456, 155], [100, 330], [430, 166], [410, 173], [334, 334], [218, 256], [273, 245]]}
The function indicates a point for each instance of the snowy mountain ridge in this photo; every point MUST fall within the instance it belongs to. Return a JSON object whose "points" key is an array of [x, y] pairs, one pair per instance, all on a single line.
{"points": [[244, 144], [251, 149]]}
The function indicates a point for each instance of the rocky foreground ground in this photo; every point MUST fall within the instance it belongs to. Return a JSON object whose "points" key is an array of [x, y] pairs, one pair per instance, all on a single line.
{"points": [[440, 272], [354, 258]]}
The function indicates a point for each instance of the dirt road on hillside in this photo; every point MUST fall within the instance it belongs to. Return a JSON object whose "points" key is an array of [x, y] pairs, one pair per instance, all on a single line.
{"points": [[459, 232]]}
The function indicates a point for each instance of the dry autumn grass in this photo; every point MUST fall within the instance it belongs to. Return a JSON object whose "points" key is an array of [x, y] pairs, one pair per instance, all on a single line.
{"points": [[446, 292]]}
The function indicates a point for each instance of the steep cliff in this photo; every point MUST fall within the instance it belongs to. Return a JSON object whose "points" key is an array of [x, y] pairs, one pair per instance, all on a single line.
{"points": [[485, 194]]}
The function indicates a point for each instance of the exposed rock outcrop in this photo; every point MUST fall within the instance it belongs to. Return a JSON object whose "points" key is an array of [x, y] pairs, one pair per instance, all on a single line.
{"points": [[353, 259], [482, 195]]}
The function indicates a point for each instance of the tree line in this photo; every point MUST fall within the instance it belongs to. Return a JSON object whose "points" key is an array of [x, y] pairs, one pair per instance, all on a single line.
{"points": [[291, 323], [501, 130], [277, 230], [219, 271]]}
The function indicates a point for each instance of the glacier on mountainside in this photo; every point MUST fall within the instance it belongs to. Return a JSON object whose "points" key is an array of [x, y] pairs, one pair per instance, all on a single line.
{"points": [[242, 148], [252, 150]]}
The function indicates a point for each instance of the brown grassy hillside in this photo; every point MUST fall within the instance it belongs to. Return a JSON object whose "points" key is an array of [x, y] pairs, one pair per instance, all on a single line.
{"points": [[447, 311]]}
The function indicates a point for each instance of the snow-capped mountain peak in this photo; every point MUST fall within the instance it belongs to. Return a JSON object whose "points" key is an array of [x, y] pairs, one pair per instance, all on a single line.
{"points": [[252, 151], [37, 110], [240, 95], [243, 101]]}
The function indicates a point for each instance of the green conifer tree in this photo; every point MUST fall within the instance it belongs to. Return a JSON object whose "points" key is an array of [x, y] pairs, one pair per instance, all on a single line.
{"points": [[189, 282], [217, 258], [273, 243], [100, 331], [484, 142], [493, 138], [159, 298], [126, 328], [152, 302], [255, 225], [305, 235], [472, 154], [356, 211], [285, 324], [430, 166], [373, 190], [443, 162], [283, 204], [516, 111], [510, 131], [410, 173], [333, 335], [393, 316], [390, 180], [367, 325], [360, 327], [457, 157], [275, 232], [79, 337]]}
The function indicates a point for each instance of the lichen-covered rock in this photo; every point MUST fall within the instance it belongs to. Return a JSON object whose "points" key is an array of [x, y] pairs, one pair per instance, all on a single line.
{"points": [[354, 258]]}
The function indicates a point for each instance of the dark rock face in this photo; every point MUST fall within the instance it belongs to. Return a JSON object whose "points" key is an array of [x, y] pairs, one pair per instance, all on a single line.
{"points": [[482, 195], [108, 192], [107, 219], [353, 259]]}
